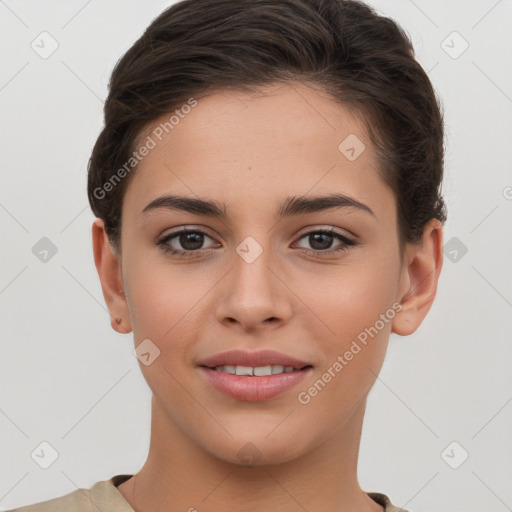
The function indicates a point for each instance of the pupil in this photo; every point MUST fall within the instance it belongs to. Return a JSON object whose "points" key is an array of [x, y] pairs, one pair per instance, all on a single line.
{"points": [[319, 237], [196, 238]]}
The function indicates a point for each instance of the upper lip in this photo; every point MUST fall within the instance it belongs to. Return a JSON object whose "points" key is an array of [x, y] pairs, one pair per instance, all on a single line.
{"points": [[244, 358]]}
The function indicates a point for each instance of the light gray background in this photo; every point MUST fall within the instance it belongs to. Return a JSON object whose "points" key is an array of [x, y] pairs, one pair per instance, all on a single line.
{"points": [[68, 379]]}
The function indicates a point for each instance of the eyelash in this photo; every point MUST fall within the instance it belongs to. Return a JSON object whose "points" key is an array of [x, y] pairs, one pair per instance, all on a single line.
{"points": [[348, 243]]}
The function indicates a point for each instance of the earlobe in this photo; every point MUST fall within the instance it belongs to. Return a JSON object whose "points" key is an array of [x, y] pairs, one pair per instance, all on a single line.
{"points": [[419, 278], [109, 271]]}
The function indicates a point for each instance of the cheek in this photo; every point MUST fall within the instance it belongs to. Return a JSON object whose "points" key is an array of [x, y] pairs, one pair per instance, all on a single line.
{"points": [[351, 309], [352, 337], [161, 296], [346, 299], [162, 301]]}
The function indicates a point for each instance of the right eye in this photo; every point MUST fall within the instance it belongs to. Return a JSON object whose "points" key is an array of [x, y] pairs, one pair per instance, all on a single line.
{"points": [[191, 240]]}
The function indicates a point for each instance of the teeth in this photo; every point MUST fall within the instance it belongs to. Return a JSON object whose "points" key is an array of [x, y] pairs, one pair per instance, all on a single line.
{"points": [[277, 369], [258, 371], [244, 370]]}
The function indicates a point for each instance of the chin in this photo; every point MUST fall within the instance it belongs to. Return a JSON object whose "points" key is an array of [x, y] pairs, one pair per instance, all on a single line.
{"points": [[257, 451]]}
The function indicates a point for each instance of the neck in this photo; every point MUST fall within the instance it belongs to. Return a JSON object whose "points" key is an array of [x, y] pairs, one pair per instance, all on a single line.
{"points": [[179, 475]]}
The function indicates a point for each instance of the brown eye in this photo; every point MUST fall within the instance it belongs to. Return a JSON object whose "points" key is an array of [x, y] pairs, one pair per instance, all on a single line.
{"points": [[184, 242], [321, 242], [191, 241]]}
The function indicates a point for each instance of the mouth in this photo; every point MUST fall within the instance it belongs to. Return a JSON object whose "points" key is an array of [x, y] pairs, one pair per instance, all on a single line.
{"points": [[253, 376], [257, 371], [253, 383], [266, 361]]}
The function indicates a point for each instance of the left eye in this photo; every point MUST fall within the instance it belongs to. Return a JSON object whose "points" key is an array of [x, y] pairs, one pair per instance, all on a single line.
{"points": [[321, 241], [191, 242]]}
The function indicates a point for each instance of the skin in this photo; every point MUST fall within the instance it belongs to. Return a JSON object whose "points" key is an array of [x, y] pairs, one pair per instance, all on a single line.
{"points": [[251, 152]]}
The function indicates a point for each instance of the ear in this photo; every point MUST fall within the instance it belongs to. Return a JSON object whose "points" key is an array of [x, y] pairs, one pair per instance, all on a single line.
{"points": [[108, 266], [418, 281]]}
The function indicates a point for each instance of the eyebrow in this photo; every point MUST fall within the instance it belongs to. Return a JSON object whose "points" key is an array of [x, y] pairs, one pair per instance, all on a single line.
{"points": [[288, 208]]}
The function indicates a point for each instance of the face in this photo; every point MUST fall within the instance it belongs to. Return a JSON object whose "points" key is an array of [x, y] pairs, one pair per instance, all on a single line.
{"points": [[317, 284]]}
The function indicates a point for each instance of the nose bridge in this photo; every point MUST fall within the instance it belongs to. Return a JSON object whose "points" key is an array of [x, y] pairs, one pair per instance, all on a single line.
{"points": [[252, 265], [253, 293]]}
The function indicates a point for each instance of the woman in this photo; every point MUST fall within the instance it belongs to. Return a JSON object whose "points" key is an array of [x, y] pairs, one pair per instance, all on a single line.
{"points": [[267, 187]]}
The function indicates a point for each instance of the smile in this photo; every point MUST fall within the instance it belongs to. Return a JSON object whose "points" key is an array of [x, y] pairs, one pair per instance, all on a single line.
{"points": [[253, 383], [258, 371]]}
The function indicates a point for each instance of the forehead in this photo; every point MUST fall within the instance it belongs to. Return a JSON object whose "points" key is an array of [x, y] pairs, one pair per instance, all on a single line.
{"points": [[284, 139]]}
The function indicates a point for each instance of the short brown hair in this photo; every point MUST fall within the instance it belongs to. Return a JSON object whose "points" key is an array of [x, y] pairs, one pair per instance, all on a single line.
{"points": [[364, 60]]}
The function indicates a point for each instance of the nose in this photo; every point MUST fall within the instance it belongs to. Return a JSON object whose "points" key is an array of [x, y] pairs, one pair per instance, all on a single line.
{"points": [[254, 295]]}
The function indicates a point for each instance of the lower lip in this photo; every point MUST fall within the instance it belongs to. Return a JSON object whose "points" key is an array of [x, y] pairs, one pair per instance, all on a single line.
{"points": [[253, 389]]}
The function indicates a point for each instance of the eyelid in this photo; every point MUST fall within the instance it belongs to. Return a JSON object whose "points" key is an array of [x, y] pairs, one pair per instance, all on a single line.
{"points": [[347, 241], [182, 229], [304, 231], [179, 230], [326, 228]]}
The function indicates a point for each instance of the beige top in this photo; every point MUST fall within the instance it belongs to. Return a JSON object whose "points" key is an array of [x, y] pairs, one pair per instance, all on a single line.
{"points": [[103, 496]]}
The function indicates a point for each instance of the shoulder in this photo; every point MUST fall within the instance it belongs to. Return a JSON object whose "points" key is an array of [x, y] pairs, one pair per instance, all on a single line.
{"points": [[102, 496], [76, 501]]}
